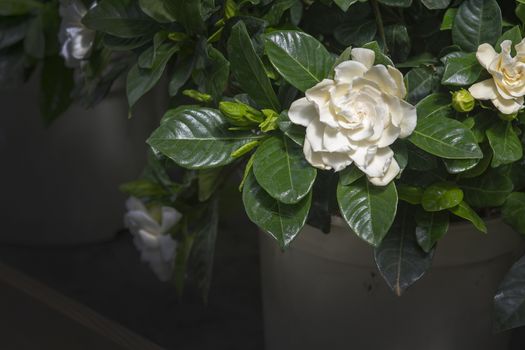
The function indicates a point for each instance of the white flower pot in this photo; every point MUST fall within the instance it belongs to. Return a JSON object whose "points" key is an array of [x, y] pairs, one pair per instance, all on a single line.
{"points": [[60, 184], [325, 292]]}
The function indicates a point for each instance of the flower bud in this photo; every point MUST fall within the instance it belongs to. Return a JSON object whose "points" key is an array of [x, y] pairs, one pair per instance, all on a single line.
{"points": [[270, 123], [507, 117], [462, 101], [197, 96], [240, 114]]}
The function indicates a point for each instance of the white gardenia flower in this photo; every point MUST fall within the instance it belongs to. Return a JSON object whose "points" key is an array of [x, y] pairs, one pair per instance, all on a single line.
{"points": [[506, 88], [75, 38], [356, 117], [151, 237]]}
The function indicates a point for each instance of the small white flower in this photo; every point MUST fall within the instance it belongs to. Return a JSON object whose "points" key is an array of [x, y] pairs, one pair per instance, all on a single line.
{"points": [[356, 117], [75, 38], [506, 88], [150, 236]]}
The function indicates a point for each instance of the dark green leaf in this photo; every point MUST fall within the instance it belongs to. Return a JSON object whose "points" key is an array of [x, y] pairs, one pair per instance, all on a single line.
{"points": [[369, 210], [158, 10], [356, 34], [505, 144], [349, 175], [300, 58], [509, 301], [489, 190], [477, 22], [282, 221], [56, 86], [281, 169], [420, 83], [435, 105], [431, 227], [463, 210], [399, 258], [441, 195], [462, 71], [398, 42], [295, 132], [457, 166], [248, 68], [436, 4], [513, 211], [397, 3], [121, 18], [344, 4], [198, 138], [18, 7], [381, 58]]}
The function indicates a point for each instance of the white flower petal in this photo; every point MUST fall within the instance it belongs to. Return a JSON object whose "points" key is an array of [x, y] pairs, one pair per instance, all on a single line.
{"points": [[380, 163], [149, 241], [379, 74], [347, 71], [409, 120], [320, 93], [170, 217], [133, 203], [508, 106], [364, 56], [302, 112], [337, 161], [314, 158], [167, 247], [484, 90], [335, 141], [485, 55], [137, 220], [400, 83], [314, 134], [389, 136], [391, 173], [520, 48]]}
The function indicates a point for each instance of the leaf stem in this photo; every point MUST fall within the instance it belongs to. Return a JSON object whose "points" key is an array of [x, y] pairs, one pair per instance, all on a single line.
{"points": [[379, 22]]}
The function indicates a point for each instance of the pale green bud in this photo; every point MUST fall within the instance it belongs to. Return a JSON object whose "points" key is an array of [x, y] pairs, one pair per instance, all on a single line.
{"points": [[463, 101], [270, 123], [507, 117], [240, 114], [198, 96]]}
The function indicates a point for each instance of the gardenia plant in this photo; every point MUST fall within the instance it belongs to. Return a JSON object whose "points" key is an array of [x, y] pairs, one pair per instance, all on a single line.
{"points": [[400, 116]]}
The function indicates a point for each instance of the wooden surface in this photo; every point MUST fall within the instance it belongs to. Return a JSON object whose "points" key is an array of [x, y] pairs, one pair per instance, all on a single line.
{"points": [[33, 316]]}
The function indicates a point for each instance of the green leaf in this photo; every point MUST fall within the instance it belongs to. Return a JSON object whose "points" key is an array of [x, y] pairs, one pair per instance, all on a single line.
{"points": [[18, 7], [198, 138], [295, 132], [399, 258], [397, 3], [462, 70], [477, 22], [410, 194], [398, 42], [369, 210], [509, 301], [420, 82], [457, 166], [431, 227], [279, 7], [381, 58], [282, 221], [121, 18], [513, 34], [213, 77], [349, 175], [208, 182], [12, 30], [441, 195], [446, 138], [56, 85], [513, 211], [436, 4], [435, 105], [182, 70], [489, 190], [140, 80], [124, 44], [344, 4], [281, 169], [463, 210], [448, 19], [505, 144], [142, 188], [248, 68], [357, 34], [159, 10], [300, 58]]}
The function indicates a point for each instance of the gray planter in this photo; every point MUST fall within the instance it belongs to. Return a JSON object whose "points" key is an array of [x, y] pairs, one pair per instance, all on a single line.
{"points": [[326, 293]]}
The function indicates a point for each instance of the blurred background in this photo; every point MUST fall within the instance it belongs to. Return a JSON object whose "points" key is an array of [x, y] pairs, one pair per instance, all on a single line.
{"points": [[70, 277]]}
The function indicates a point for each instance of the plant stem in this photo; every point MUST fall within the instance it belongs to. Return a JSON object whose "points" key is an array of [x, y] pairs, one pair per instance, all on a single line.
{"points": [[379, 22]]}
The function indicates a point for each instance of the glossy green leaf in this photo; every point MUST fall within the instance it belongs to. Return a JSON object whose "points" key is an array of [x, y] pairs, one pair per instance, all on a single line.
{"points": [[281, 169], [345, 4], [448, 19], [513, 211], [182, 70], [462, 71], [369, 210], [436, 4], [457, 166], [380, 58], [441, 195], [509, 301], [356, 34], [446, 138], [477, 22], [18, 7], [410, 194], [140, 80], [489, 190], [430, 228], [463, 210], [420, 82], [349, 175], [248, 68], [505, 144], [282, 221], [398, 42], [121, 18], [514, 35], [399, 258], [300, 58], [124, 44], [435, 105], [158, 10], [397, 3], [198, 138], [279, 7], [213, 77]]}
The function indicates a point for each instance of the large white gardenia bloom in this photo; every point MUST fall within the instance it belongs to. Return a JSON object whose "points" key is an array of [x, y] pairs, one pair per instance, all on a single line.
{"points": [[506, 88], [157, 248], [356, 117], [75, 38]]}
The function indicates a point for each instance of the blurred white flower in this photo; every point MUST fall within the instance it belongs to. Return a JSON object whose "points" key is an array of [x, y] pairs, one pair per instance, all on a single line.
{"points": [[506, 88], [75, 38], [151, 237], [356, 117]]}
